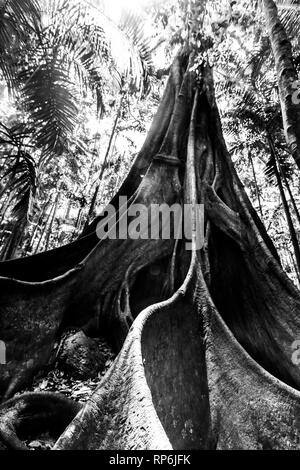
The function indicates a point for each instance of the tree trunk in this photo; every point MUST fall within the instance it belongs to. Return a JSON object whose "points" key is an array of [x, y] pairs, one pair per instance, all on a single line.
{"points": [[286, 208], [287, 78], [37, 225], [77, 224], [287, 185], [14, 241], [95, 195], [50, 228], [292, 263], [255, 183], [47, 223], [207, 362]]}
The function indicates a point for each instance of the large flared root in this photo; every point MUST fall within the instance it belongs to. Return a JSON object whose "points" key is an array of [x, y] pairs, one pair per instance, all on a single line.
{"points": [[250, 409], [33, 312], [156, 396]]}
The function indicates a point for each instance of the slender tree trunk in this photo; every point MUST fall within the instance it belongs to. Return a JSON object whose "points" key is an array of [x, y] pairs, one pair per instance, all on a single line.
{"points": [[290, 194], [286, 208], [287, 78], [292, 261], [4, 210], [255, 182], [289, 219], [44, 230], [77, 225], [8, 185], [14, 241], [92, 206], [5, 206], [52, 221], [68, 210], [103, 166], [41, 215]]}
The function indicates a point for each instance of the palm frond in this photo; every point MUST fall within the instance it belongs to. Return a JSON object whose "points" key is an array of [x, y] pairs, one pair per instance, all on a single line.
{"points": [[17, 20], [239, 73], [23, 184], [13, 139], [87, 28], [141, 61], [46, 91], [289, 11], [84, 49]]}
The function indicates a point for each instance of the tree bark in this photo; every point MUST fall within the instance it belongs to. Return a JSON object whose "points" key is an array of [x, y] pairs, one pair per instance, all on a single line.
{"points": [[205, 336], [37, 225], [14, 240], [287, 77], [255, 183], [50, 227], [287, 185]]}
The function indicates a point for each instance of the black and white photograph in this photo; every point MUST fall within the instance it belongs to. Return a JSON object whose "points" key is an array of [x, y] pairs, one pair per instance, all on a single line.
{"points": [[149, 229]]}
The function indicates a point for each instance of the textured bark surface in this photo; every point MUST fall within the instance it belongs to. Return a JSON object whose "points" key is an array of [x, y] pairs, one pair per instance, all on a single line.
{"points": [[205, 336], [33, 413], [287, 77]]}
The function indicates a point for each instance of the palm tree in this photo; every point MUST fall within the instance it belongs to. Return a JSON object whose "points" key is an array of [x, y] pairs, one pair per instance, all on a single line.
{"points": [[287, 77]]}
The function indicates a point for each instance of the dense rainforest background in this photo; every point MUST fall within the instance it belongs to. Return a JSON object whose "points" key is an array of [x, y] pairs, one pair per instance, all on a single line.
{"points": [[190, 101]]}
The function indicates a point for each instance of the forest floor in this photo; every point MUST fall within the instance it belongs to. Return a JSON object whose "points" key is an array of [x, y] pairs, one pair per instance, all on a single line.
{"points": [[66, 383]]}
